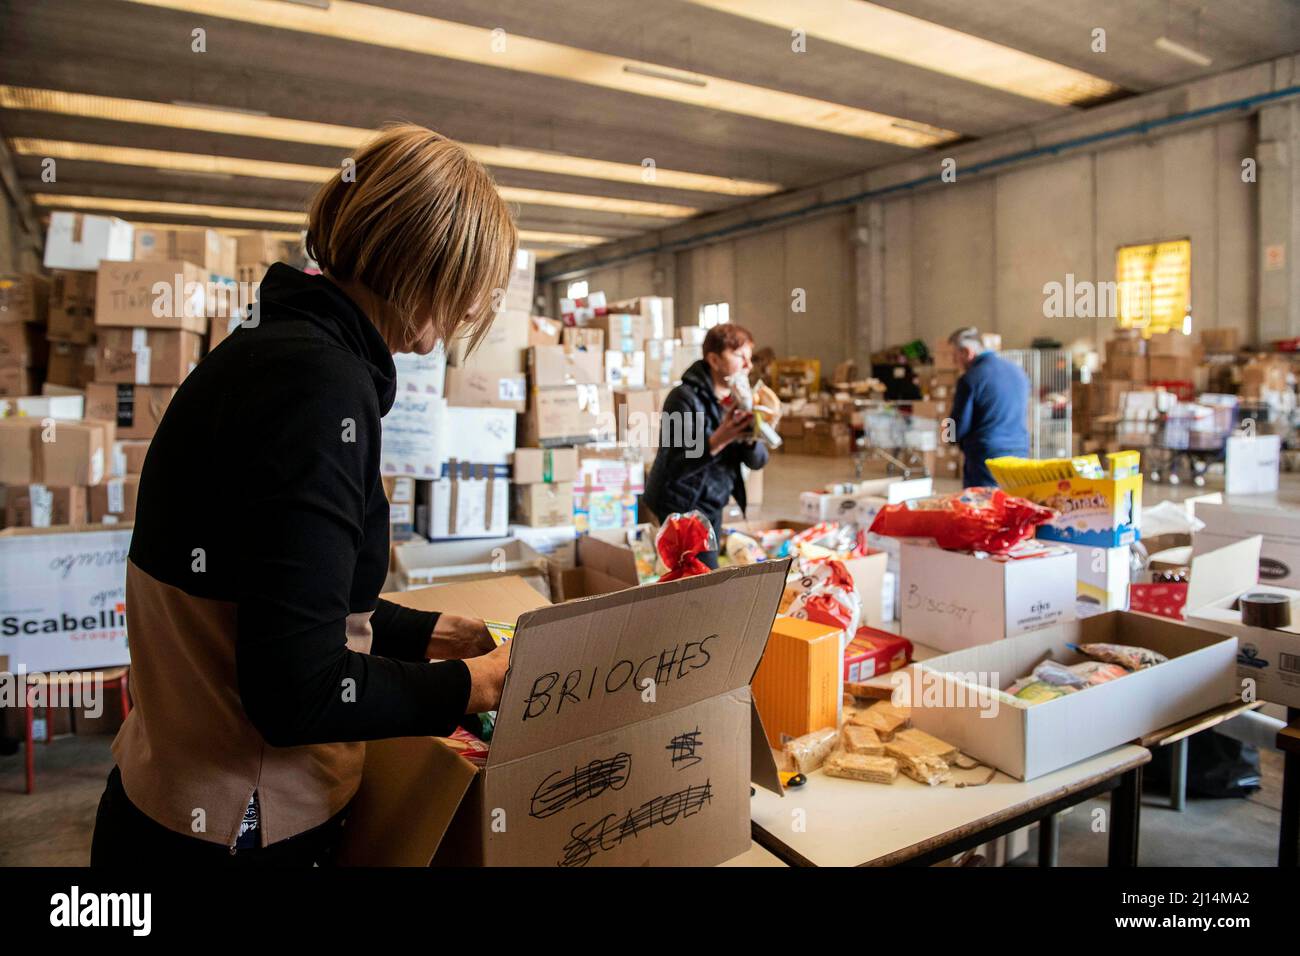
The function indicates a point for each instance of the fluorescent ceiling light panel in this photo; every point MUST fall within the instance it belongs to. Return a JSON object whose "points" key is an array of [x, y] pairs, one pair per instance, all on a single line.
{"points": [[394, 29], [897, 36], [196, 210], [233, 122], [1182, 52], [207, 165], [223, 230], [561, 238]]}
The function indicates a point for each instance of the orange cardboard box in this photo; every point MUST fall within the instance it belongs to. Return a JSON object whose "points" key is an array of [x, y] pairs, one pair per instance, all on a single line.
{"points": [[797, 687]]}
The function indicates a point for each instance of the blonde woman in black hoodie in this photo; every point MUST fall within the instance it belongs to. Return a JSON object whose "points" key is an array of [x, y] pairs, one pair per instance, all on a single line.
{"points": [[261, 656]]}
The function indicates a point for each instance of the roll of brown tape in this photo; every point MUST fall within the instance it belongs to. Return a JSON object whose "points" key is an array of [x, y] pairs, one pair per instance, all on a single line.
{"points": [[1263, 609]]}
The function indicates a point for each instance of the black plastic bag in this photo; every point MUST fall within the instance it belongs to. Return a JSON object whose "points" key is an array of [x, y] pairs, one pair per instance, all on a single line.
{"points": [[1217, 767]]}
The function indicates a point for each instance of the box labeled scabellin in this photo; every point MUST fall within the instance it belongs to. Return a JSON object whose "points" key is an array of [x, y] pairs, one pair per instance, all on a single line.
{"points": [[583, 768], [1098, 507]]}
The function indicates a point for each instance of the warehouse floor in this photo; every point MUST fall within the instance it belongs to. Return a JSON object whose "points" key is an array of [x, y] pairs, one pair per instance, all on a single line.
{"points": [[53, 827]]}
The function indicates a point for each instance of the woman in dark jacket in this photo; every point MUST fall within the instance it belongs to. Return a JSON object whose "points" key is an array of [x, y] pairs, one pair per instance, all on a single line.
{"points": [[705, 438], [261, 656]]}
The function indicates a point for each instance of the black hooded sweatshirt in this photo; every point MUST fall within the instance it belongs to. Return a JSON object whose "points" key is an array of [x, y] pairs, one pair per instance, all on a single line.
{"points": [[262, 489], [685, 476]]}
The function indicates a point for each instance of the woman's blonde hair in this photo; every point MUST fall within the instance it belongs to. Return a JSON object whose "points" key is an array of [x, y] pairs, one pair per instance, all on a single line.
{"points": [[422, 226]]}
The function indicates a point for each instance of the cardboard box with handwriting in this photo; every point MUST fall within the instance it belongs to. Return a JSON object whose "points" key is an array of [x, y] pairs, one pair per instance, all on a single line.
{"points": [[618, 742], [954, 599]]}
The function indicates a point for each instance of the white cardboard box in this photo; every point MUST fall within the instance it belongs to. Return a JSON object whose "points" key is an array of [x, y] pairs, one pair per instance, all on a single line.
{"points": [[464, 508], [1279, 561], [484, 436], [45, 406], [421, 374], [1103, 576], [78, 241], [865, 499], [953, 696], [420, 564], [62, 595], [557, 543], [1252, 464], [953, 599], [412, 442], [1270, 658]]}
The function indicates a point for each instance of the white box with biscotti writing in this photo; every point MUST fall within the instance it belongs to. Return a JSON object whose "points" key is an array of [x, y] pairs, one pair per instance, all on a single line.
{"points": [[950, 600]]}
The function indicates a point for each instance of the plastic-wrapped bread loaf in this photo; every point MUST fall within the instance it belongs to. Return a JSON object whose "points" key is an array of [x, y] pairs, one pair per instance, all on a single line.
{"points": [[861, 767], [811, 749]]}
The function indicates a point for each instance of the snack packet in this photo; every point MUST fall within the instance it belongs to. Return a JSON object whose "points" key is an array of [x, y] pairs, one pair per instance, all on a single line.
{"points": [[1134, 658], [1099, 672], [977, 519], [1034, 691], [680, 542], [742, 549]]}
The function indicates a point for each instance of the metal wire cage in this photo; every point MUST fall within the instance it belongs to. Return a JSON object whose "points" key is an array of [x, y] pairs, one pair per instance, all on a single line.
{"points": [[1048, 416]]}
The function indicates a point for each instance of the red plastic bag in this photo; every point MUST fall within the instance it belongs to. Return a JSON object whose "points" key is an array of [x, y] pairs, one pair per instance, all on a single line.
{"points": [[680, 542], [977, 519]]}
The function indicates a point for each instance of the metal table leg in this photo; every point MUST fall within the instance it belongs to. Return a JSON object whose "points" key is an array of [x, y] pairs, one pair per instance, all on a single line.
{"points": [[1049, 839], [1178, 774], [1125, 817], [1288, 853]]}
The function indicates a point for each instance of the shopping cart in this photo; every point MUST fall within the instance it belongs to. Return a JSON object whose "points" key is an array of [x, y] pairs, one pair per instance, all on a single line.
{"points": [[895, 437], [1190, 437]]}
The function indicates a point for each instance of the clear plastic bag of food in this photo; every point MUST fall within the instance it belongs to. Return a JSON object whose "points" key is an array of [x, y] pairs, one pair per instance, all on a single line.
{"points": [[1099, 672], [680, 542], [1125, 655], [1059, 675], [811, 750], [741, 549], [1031, 690], [827, 595], [977, 519]]}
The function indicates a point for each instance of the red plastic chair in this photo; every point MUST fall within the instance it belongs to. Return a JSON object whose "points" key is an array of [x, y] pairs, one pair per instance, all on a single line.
{"points": [[116, 675]]}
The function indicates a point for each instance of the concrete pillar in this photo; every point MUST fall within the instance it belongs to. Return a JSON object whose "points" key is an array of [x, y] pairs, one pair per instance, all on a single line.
{"points": [[867, 238], [1279, 221]]}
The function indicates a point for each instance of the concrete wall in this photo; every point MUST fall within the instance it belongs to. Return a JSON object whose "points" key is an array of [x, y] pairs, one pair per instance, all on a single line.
{"points": [[979, 252]]}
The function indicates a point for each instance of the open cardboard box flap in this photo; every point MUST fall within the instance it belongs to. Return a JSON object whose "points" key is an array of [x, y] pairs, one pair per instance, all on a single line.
{"points": [[1224, 572], [699, 639]]}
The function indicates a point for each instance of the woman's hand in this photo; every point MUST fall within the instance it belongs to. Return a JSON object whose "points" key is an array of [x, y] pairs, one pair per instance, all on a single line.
{"points": [[735, 425], [486, 676], [458, 638]]}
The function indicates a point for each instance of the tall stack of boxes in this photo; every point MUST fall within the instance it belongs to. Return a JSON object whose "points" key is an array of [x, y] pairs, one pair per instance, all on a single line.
{"points": [[126, 314], [24, 301]]}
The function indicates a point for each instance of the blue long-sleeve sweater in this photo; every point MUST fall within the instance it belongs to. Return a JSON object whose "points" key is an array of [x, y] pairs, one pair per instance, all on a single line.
{"points": [[990, 407]]}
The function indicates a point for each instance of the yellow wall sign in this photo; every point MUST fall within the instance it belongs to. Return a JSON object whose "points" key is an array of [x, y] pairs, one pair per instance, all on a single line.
{"points": [[1154, 286]]}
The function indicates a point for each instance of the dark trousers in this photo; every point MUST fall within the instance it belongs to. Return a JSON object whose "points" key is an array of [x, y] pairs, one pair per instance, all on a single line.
{"points": [[126, 837], [974, 473]]}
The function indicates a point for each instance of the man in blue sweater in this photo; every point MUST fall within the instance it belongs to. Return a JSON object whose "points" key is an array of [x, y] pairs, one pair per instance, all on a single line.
{"points": [[990, 407]]}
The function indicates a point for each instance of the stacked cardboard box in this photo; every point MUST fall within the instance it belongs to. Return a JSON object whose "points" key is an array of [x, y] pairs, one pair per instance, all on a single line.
{"points": [[1173, 357], [24, 302], [1126, 357], [51, 467]]}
